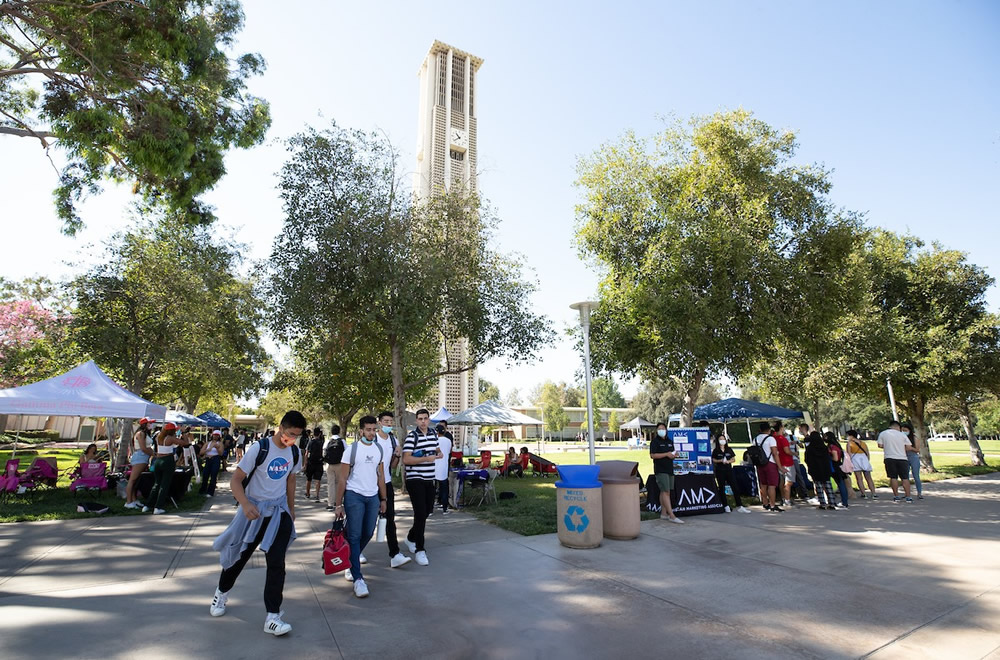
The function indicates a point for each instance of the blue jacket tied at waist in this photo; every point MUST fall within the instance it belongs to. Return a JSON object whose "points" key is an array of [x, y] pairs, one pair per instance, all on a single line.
{"points": [[242, 532]]}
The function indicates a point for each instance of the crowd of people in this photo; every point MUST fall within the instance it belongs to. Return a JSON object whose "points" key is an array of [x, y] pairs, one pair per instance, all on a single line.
{"points": [[801, 466], [359, 489]]}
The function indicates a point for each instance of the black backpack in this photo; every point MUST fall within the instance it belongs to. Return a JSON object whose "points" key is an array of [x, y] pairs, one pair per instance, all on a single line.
{"points": [[262, 456], [334, 452], [755, 454]]}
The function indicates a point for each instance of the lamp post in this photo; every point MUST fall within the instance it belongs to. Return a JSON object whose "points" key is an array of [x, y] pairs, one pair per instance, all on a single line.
{"points": [[892, 399], [584, 308]]}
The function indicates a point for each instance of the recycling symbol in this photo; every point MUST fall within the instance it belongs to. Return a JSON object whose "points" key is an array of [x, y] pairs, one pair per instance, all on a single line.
{"points": [[575, 519]]}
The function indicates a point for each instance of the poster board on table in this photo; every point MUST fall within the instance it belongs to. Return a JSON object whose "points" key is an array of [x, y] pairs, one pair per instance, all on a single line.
{"points": [[692, 449]]}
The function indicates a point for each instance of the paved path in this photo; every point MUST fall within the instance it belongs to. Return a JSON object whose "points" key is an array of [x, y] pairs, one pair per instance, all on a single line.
{"points": [[879, 581]]}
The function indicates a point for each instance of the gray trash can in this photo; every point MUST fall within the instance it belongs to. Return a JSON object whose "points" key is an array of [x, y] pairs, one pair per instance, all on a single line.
{"points": [[620, 498], [579, 515]]}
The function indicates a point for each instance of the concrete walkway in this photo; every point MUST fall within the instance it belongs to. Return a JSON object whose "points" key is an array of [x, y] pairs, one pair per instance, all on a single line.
{"points": [[880, 580]]}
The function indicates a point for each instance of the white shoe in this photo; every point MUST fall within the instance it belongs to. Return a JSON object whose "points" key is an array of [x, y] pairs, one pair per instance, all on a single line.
{"points": [[728, 510], [422, 558], [677, 520], [145, 509], [360, 589], [411, 545], [399, 560], [157, 511], [131, 505], [218, 607], [743, 509], [274, 625], [348, 575], [363, 560]]}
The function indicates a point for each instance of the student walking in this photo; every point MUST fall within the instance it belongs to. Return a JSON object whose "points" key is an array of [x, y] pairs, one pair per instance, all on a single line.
{"points": [[420, 450], [163, 468], [767, 474], [314, 462], [387, 440], [333, 453], [445, 442], [264, 486], [361, 497], [661, 450], [861, 461], [723, 458], [913, 458]]}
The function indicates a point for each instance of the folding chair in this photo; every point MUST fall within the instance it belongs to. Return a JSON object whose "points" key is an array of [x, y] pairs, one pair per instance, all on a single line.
{"points": [[43, 473], [488, 491], [10, 479], [92, 476]]}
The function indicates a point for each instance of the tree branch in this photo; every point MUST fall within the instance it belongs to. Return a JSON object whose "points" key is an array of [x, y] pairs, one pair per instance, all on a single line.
{"points": [[27, 132]]}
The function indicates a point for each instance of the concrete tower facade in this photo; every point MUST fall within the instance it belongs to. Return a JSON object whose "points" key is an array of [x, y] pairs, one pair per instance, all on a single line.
{"points": [[447, 154]]}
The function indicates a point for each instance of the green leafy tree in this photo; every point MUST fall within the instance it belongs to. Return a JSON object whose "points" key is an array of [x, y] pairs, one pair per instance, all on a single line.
{"points": [[130, 91], [488, 391], [549, 397], [606, 393], [35, 342], [278, 401], [656, 400], [356, 246], [165, 314], [925, 328], [713, 245], [614, 423], [512, 398]]}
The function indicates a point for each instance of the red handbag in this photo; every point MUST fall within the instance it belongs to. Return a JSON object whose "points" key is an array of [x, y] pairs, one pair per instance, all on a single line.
{"points": [[336, 552]]}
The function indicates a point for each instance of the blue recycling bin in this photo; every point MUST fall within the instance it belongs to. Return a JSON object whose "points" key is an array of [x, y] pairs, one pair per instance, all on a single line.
{"points": [[579, 513]]}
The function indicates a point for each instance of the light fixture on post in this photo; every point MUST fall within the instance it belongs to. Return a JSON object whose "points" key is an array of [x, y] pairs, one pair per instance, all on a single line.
{"points": [[584, 309]]}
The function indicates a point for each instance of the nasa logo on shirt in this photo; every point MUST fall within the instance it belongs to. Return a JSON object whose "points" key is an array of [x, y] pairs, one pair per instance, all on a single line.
{"points": [[277, 468]]}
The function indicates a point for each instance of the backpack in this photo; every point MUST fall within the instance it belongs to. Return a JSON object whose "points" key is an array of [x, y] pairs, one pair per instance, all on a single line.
{"points": [[354, 454], [334, 452], [755, 454], [262, 456]]}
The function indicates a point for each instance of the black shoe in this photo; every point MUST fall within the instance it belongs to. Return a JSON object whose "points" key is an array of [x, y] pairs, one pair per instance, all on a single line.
{"points": [[821, 508], [831, 508], [777, 509], [767, 507], [329, 508]]}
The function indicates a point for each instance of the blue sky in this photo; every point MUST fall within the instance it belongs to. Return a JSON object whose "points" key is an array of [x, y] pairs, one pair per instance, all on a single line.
{"points": [[900, 99]]}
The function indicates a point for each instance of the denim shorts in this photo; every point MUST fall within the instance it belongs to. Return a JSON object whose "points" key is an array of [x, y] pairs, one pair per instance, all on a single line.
{"points": [[139, 458]]}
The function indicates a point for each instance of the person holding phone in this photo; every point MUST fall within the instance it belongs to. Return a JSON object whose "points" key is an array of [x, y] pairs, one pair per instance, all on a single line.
{"points": [[420, 451], [723, 458]]}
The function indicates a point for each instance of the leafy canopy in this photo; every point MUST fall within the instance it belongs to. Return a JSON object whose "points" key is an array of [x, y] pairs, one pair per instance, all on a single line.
{"points": [[130, 90]]}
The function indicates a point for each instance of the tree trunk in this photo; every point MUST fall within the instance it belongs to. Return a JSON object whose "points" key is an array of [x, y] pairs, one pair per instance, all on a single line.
{"points": [[815, 414], [124, 441], [190, 404], [691, 397], [917, 409], [398, 392], [975, 451]]}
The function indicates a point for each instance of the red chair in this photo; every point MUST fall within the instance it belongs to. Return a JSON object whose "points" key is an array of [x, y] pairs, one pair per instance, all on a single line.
{"points": [[506, 465], [457, 459], [484, 459]]}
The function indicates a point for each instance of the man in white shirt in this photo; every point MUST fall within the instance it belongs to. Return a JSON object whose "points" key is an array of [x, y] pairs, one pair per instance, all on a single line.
{"points": [[893, 443], [361, 496], [767, 475], [390, 447], [445, 441]]}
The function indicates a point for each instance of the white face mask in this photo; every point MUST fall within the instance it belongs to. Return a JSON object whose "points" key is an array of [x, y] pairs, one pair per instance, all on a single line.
{"points": [[661, 432], [722, 442]]}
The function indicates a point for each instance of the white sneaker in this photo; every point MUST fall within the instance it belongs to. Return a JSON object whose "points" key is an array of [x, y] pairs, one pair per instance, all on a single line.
{"points": [[399, 560], [411, 545], [677, 520], [348, 575], [145, 509], [157, 511], [363, 560], [743, 509], [131, 505], [274, 625], [728, 510], [422, 558], [218, 607], [360, 589]]}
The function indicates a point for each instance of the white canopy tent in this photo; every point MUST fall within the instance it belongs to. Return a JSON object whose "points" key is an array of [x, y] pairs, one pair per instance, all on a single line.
{"points": [[636, 425], [84, 391], [491, 413]]}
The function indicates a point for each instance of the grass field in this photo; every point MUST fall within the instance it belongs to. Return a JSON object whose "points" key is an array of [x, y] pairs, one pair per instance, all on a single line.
{"points": [[61, 504], [533, 510]]}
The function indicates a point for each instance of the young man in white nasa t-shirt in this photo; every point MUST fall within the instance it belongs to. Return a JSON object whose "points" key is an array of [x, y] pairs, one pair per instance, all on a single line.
{"points": [[361, 496], [266, 513]]}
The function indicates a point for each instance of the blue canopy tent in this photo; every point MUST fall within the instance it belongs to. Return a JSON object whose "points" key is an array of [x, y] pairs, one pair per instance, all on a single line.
{"points": [[442, 415], [213, 420], [732, 410]]}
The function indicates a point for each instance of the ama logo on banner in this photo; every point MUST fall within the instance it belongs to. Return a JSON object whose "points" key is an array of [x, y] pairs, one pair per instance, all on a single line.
{"points": [[277, 468]]}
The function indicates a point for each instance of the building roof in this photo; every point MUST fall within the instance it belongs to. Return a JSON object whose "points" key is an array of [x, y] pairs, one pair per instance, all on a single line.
{"points": [[440, 46]]}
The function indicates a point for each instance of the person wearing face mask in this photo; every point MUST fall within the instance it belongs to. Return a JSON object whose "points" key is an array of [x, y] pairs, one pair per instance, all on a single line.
{"points": [[661, 450], [723, 458], [390, 448]]}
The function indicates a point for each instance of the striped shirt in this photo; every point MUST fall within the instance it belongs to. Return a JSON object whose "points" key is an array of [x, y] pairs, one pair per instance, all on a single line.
{"points": [[416, 442]]}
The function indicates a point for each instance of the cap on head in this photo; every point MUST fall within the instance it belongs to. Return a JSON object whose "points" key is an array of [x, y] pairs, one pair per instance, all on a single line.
{"points": [[144, 421], [216, 432], [169, 426]]}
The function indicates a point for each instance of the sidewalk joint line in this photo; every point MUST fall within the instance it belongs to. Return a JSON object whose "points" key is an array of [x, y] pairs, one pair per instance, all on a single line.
{"points": [[320, 603]]}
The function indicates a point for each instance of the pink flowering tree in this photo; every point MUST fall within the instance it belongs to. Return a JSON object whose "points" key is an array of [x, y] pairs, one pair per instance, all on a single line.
{"points": [[29, 338]]}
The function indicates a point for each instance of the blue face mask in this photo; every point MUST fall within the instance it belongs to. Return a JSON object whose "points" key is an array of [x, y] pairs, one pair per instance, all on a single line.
{"points": [[387, 430], [661, 432]]}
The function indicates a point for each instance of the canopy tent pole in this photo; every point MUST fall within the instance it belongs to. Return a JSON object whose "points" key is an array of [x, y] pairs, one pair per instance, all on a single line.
{"points": [[749, 434]]}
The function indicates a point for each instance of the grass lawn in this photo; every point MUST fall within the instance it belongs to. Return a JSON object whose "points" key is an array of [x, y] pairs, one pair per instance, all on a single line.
{"points": [[533, 511], [60, 504]]}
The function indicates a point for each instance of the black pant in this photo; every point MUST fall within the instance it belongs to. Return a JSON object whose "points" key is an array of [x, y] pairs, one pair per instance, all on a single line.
{"points": [[274, 583], [390, 520], [163, 472], [444, 491], [210, 475], [723, 477], [422, 498]]}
